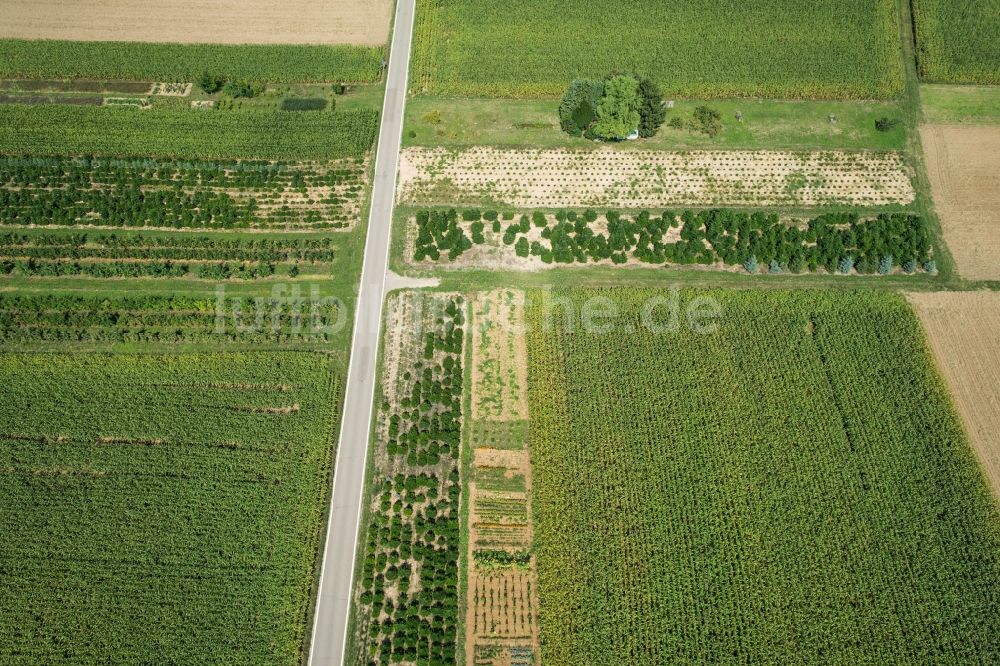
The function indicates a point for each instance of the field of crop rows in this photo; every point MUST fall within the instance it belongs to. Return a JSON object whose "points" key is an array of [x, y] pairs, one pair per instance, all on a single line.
{"points": [[406, 601], [31, 321], [843, 243], [161, 502], [958, 41], [501, 623], [184, 133], [648, 179], [181, 195], [134, 61], [692, 48], [792, 486]]}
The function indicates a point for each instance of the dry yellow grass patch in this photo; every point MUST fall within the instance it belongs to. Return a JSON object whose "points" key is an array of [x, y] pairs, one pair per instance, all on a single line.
{"points": [[363, 22], [964, 332], [963, 163]]}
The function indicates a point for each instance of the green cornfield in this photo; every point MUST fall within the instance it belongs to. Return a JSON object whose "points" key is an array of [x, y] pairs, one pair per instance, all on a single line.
{"points": [[133, 61], [185, 133], [790, 487], [812, 49], [166, 505], [958, 41]]}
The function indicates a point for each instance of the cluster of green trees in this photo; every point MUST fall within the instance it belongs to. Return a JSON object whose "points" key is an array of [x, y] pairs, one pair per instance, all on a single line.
{"points": [[417, 516], [501, 558], [612, 108], [173, 319], [52, 245], [836, 242]]}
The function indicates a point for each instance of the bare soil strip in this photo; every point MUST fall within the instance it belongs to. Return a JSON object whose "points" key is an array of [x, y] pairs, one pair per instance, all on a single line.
{"points": [[363, 22], [964, 333], [647, 179], [963, 163], [501, 601]]}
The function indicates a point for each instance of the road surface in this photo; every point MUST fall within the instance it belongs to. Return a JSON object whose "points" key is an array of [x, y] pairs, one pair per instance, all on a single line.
{"points": [[333, 607]]}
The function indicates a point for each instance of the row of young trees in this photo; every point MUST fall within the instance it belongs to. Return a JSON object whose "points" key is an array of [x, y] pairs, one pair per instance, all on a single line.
{"points": [[835, 242], [141, 269], [172, 247]]}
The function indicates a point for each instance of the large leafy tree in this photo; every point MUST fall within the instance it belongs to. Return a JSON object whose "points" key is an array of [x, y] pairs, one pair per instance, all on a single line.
{"points": [[618, 110]]}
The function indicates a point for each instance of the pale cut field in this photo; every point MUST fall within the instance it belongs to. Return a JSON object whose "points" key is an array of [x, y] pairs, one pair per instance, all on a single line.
{"points": [[963, 163], [964, 332], [651, 179], [362, 22]]}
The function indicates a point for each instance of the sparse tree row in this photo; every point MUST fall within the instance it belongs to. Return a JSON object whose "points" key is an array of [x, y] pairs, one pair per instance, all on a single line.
{"points": [[408, 596], [174, 496], [173, 247], [139, 269], [792, 488], [180, 195], [834, 242], [50, 318]]}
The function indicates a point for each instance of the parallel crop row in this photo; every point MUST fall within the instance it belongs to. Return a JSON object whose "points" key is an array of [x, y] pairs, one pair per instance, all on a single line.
{"points": [[784, 483], [49, 318], [166, 132], [171, 194], [958, 41]]}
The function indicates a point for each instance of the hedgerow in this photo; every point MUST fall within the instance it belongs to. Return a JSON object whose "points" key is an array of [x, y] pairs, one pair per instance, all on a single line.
{"points": [[784, 483], [705, 237], [54, 59]]}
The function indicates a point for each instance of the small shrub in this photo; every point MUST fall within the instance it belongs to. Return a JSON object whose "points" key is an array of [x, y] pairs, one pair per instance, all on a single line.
{"points": [[237, 89], [433, 117], [886, 124], [930, 266], [751, 265], [846, 265], [338, 88], [885, 265], [707, 121], [210, 83]]}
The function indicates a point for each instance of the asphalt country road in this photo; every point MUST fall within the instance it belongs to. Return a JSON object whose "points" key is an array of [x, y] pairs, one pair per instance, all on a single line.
{"points": [[333, 605]]}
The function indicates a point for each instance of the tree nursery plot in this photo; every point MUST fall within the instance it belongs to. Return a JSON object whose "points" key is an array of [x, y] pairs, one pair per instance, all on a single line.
{"points": [[627, 179], [958, 41], [692, 48], [788, 485], [181, 194], [166, 505]]}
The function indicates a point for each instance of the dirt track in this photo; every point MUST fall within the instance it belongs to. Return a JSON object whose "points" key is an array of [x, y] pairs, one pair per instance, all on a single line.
{"points": [[963, 163], [364, 22], [964, 332]]}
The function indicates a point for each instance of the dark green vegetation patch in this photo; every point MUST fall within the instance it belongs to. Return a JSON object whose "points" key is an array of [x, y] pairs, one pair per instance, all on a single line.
{"points": [[691, 48], [167, 505], [791, 488], [55, 59]]}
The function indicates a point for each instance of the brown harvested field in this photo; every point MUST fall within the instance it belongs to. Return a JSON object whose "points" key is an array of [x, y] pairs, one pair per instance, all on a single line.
{"points": [[964, 332], [963, 163], [363, 22]]}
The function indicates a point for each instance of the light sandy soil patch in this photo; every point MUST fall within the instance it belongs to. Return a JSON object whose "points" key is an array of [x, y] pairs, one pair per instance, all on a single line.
{"points": [[363, 22], [964, 332], [963, 163], [647, 179]]}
